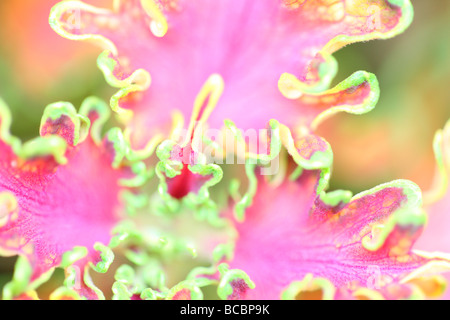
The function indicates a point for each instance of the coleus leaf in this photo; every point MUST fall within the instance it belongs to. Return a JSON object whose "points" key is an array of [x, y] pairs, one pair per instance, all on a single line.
{"points": [[60, 192], [437, 201], [274, 58], [298, 101], [361, 246]]}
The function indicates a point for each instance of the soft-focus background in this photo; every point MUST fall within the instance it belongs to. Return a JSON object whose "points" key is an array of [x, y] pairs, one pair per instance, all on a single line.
{"points": [[394, 141]]}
